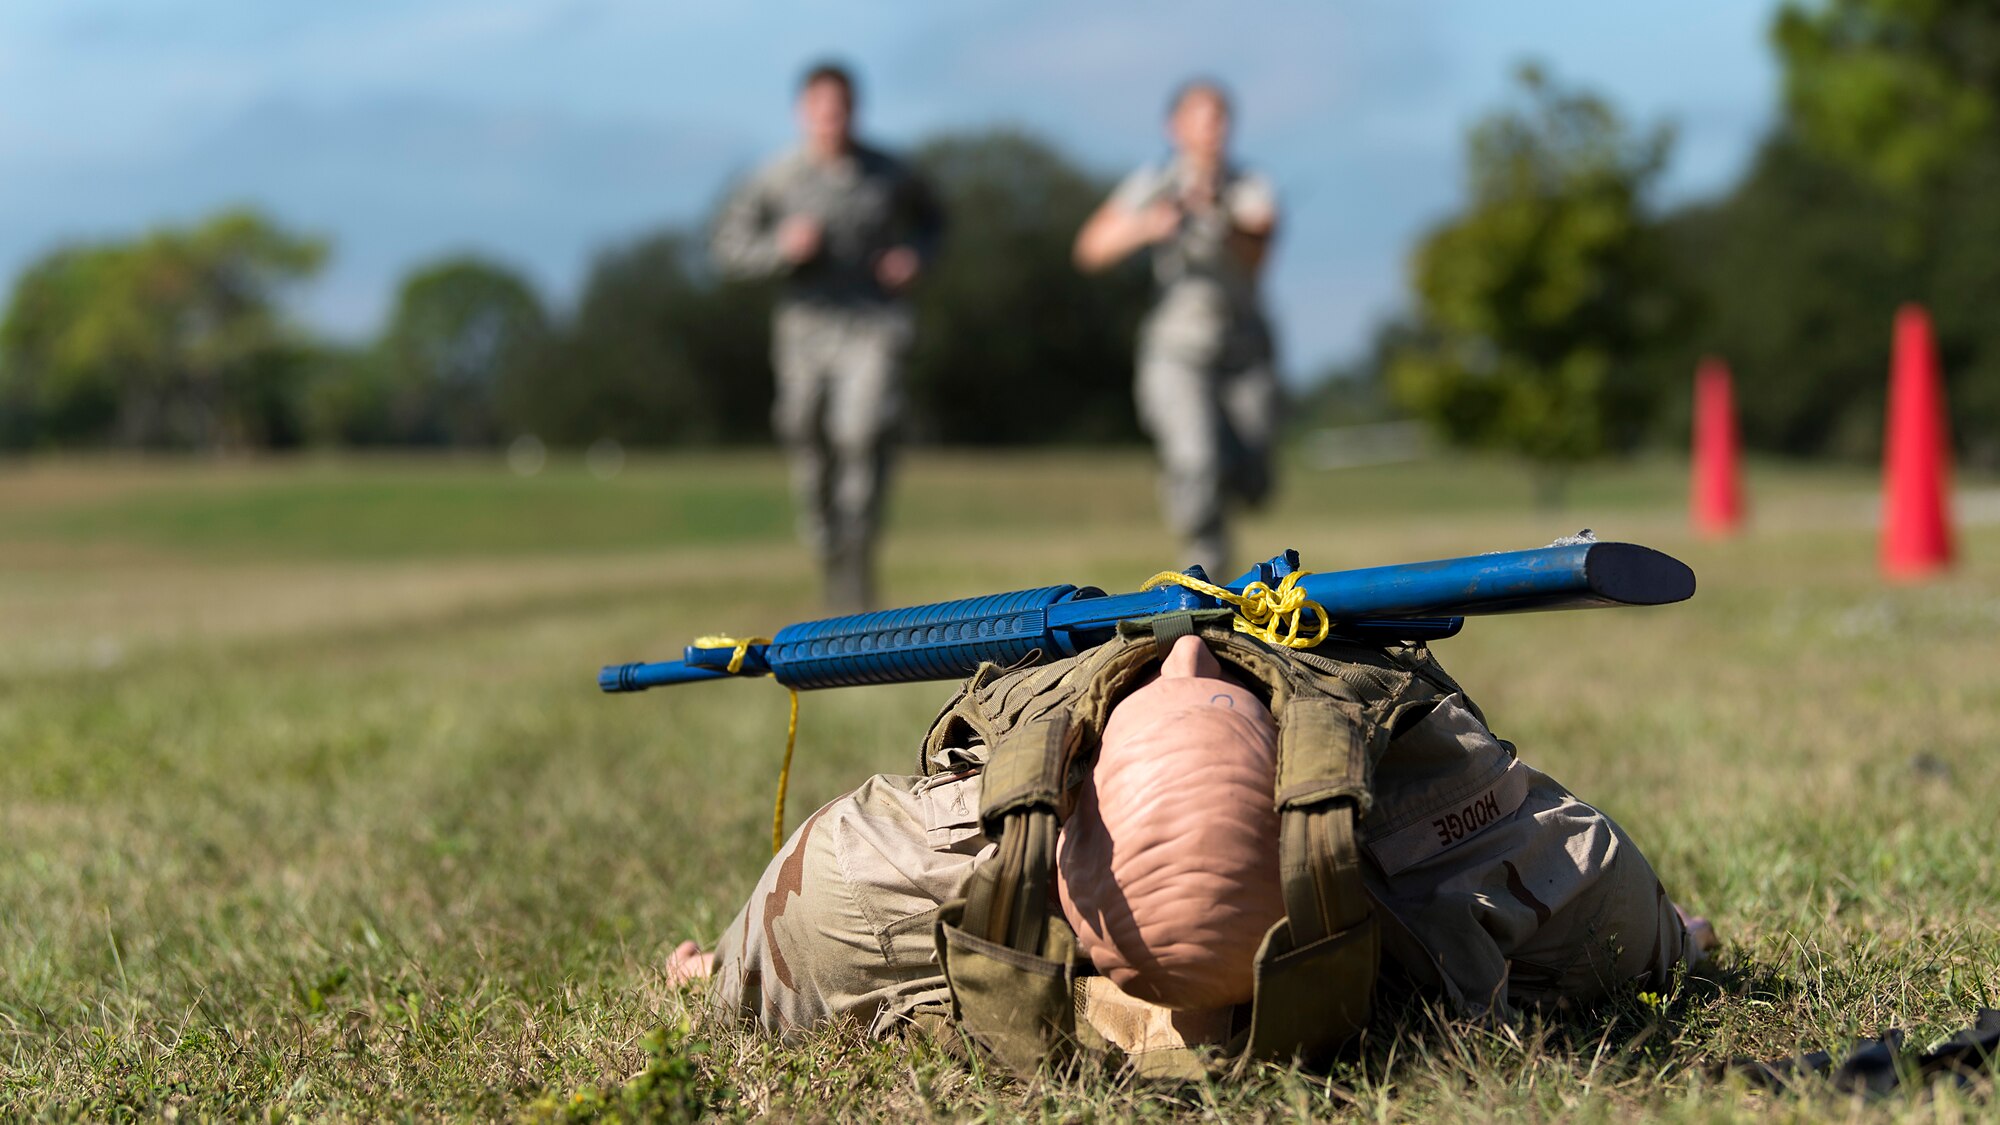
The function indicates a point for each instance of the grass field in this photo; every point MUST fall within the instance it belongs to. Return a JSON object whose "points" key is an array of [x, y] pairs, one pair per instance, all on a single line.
{"points": [[309, 807]]}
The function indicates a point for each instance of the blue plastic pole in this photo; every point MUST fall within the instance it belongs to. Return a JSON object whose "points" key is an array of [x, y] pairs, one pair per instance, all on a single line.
{"points": [[1582, 576]]}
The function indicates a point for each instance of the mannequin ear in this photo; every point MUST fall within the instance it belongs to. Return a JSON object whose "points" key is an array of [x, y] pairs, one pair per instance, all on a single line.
{"points": [[1190, 658]]}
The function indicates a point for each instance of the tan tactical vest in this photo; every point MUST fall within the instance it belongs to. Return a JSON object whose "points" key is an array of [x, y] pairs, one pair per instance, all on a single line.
{"points": [[1009, 956]]}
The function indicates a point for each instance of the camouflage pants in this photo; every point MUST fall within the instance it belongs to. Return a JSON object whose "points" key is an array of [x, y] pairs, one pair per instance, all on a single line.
{"points": [[840, 925], [1517, 892], [1514, 890], [1552, 903], [1210, 406], [839, 397]]}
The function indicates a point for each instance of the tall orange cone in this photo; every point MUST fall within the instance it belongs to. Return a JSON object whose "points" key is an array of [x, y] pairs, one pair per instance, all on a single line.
{"points": [[1916, 458], [1715, 495]]}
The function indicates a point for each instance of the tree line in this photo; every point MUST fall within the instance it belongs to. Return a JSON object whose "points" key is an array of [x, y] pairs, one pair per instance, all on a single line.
{"points": [[179, 338], [1559, 314]]}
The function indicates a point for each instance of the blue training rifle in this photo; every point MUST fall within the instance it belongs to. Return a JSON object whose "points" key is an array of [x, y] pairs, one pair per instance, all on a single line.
{"points": [[1407, 602]]}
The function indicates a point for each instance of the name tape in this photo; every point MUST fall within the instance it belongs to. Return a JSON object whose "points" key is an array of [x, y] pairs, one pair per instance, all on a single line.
{"points": [[1446, 828]]}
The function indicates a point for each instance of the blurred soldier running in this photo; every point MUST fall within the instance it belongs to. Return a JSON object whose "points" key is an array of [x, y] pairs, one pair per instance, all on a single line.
{"points": [[1206, 389], [848, 227]]}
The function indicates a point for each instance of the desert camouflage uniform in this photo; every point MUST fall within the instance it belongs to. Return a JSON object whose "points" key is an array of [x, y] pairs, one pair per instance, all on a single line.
{"points": [[1207, 390], [841, 924], [1500, 887], [838, 340]]}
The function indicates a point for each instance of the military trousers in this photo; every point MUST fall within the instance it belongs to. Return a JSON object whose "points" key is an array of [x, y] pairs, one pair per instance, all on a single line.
{"points": [[1210, 403], [840, 370], [840, 925]]}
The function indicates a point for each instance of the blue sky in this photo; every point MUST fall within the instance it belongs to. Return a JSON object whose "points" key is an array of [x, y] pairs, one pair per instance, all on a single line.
{"points": [[540, 131]]}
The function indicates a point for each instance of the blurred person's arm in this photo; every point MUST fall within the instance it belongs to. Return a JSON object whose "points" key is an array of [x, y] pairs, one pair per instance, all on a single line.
{"points": [[1136, 216], [750, 241], [1252, 206], [923, 217]]}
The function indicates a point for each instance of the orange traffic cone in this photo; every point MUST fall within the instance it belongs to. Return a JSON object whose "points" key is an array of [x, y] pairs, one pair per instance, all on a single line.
{"points": [[1916, 458], [1715, 495]]}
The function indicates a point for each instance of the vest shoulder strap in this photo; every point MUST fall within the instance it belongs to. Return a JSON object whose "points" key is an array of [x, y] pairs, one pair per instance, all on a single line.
{"points": [[1010, 959]]}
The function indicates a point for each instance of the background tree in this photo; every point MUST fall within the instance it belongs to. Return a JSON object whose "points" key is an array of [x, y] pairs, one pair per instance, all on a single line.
{"points": [[175, 339], [1013, 345], [1875, 188], [462, 329], [660, 351], [1534, 304], [1355, 393], [1795, 287], [1897, 89], [345, 397]]}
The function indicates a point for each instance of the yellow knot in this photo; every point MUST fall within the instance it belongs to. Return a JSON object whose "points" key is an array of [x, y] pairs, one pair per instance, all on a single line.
{"points": [[740, 644], [1274, 614], [742, 647]]}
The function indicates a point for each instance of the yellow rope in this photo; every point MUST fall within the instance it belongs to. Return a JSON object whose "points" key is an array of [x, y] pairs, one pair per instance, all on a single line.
{"points": [[1269, 613], [740, 644], [742, 647], [784, 777]]}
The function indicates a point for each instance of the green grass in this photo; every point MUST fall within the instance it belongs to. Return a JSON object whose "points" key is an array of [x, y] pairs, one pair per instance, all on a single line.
{"points": [[419, 510], [309, 808]]}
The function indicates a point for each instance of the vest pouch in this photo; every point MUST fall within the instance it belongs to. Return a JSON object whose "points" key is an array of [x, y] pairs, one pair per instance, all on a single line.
{"points": [[1312, 1000], [1018, 1006]]}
